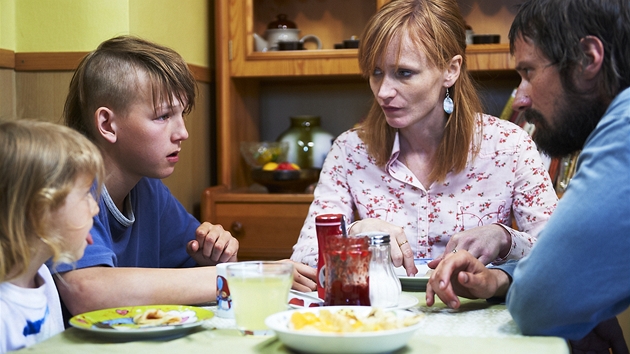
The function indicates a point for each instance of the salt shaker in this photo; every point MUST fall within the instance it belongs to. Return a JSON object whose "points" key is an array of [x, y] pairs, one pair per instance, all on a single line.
{"points": [[385, 288]]}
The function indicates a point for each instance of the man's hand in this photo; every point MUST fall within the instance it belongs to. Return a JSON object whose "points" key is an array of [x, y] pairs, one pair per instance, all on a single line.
{"points": [[304, 277], [401, 251], [461, 274], [485, 243], [212, 245]]}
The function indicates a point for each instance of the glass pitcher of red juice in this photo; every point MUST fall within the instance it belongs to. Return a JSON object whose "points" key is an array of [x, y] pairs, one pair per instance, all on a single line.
{"points": [[347, 272], [326, 225]]}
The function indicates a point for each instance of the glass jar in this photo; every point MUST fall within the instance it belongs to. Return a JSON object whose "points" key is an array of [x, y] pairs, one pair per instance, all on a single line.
{"points": [[308, 143], [347, 275], [385, 288]]}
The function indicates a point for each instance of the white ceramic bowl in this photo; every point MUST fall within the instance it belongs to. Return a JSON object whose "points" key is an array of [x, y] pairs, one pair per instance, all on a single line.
{"points": [[356, 342]]}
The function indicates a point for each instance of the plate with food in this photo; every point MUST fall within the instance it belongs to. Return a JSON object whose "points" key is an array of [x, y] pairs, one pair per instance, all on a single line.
{"points": [[344, 329], [142, 321], [298, 300], [419, 281]]}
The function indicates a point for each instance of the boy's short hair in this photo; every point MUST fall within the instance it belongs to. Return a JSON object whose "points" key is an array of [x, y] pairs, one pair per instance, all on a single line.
{"points": [[40, 164], [107, 77]]}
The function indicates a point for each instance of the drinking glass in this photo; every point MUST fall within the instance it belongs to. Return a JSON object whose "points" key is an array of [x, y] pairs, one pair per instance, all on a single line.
{"points": [[259, 289]]}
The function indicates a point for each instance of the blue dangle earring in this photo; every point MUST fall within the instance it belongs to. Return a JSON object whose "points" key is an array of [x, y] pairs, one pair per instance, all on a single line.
{"points": [[448, 103]]}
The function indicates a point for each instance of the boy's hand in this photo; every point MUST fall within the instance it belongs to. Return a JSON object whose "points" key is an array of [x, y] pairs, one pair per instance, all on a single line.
{"points": [[212, 245]]}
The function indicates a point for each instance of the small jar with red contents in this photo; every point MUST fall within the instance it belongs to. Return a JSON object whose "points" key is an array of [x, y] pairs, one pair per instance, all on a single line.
{"points": [[347, 276]]}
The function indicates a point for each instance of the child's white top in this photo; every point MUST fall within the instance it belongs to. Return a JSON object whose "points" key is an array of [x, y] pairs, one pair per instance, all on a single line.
{"points": [[28, 316]]}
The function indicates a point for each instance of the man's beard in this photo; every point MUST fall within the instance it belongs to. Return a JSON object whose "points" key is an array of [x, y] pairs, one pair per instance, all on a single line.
{"points": [[575, 119]]}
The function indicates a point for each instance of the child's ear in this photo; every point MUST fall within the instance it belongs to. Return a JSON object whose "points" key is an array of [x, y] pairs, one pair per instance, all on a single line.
{"points": [[106, 124]]}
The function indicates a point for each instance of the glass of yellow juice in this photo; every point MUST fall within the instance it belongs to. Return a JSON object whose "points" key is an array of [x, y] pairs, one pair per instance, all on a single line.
{"points": [[259, 289]]}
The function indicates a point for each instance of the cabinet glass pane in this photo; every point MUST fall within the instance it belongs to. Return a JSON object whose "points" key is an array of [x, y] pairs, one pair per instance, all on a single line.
{"points": [[330, 20]]}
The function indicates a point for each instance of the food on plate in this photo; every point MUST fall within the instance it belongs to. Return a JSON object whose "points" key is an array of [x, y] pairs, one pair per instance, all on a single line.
{"points": [[346, 320], [156, 317]]}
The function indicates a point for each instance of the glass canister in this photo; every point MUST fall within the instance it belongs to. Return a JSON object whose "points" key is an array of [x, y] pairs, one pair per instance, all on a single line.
{"points": [[326, 225], [385, 287], [308, 142], [347, 275]]}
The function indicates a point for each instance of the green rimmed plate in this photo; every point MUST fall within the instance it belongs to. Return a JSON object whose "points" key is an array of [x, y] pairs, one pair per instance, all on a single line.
{"points": [[118, 322]]}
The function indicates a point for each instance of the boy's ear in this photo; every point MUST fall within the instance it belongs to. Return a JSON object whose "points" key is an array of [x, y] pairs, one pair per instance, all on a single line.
{"points": [[106, 124]]}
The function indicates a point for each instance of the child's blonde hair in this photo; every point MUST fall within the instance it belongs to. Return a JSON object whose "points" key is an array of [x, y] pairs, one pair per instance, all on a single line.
{"points": [[40, 163]]}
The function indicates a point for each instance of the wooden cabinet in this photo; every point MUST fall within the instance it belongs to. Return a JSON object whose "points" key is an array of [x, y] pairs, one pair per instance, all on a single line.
{"points": [[266, 225], [240, 73]]}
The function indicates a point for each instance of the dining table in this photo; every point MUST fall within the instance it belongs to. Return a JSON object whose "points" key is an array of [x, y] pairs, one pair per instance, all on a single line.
{"points": [[478, 326]]}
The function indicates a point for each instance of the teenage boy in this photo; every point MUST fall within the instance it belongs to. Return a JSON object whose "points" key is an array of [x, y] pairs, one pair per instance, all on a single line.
{"points": [[130, 97]]}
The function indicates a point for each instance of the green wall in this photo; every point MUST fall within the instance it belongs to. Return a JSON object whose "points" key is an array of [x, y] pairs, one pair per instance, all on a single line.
{"points": [[80, 25]]}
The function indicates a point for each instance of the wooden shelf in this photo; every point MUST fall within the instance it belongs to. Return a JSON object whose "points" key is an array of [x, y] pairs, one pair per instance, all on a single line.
{"points": [[340, 62]]}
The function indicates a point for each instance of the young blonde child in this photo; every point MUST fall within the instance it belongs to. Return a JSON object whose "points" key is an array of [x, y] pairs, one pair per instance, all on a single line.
{"points": [[48, 184]]}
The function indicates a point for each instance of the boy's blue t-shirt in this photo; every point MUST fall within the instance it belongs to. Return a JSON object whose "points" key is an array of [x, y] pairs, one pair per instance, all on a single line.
{"points": [[157, 237]]}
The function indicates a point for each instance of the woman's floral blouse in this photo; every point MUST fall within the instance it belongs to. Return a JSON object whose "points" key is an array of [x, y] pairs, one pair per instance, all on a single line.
{"points": [[506, 180]]}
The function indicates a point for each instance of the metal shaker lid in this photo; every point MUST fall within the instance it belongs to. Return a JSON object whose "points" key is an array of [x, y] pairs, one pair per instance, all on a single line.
{"points": [[376, 237]]}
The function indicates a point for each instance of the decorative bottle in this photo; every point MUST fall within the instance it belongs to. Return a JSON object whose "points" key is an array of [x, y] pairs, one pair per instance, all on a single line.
{"points": [[308, 143], [385, 288]]}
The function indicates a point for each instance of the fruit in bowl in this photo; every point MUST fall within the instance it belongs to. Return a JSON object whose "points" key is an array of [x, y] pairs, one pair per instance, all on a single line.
{"points": [[258, 154], [282, 166], [285, 178]]}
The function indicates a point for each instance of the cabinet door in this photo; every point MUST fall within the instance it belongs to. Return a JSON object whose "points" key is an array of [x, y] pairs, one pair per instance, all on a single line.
{"points": [[266, 226], [264, 230], [242, 18], [240, 70]]}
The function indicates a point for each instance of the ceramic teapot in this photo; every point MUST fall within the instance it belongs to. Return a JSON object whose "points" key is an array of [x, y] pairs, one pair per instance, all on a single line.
{"points": [[282, 30]]}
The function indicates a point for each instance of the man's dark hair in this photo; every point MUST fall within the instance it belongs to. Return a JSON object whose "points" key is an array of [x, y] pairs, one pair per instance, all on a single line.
{"points": [[556, 27]]}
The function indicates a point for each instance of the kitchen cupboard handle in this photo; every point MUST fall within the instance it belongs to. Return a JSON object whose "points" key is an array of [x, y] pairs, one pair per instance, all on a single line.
{"points": [[236, 228]]}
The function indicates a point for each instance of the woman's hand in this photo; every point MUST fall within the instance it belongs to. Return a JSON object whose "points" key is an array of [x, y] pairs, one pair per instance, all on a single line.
{"points": [[485, 243], [401, 251], [304, 277]]}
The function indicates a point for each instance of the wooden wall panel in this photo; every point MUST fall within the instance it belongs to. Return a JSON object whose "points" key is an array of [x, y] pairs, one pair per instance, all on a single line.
{"points": [[7, 94], [41, 94]]}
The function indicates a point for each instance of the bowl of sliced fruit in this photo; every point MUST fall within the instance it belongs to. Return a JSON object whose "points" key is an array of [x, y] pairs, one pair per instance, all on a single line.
{"points": [[285, 177], [271, 169]]}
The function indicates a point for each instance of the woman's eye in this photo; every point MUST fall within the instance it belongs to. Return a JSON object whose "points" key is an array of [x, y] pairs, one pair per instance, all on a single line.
{"points": [[403, 73], [376, 72], [163, 117]]}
